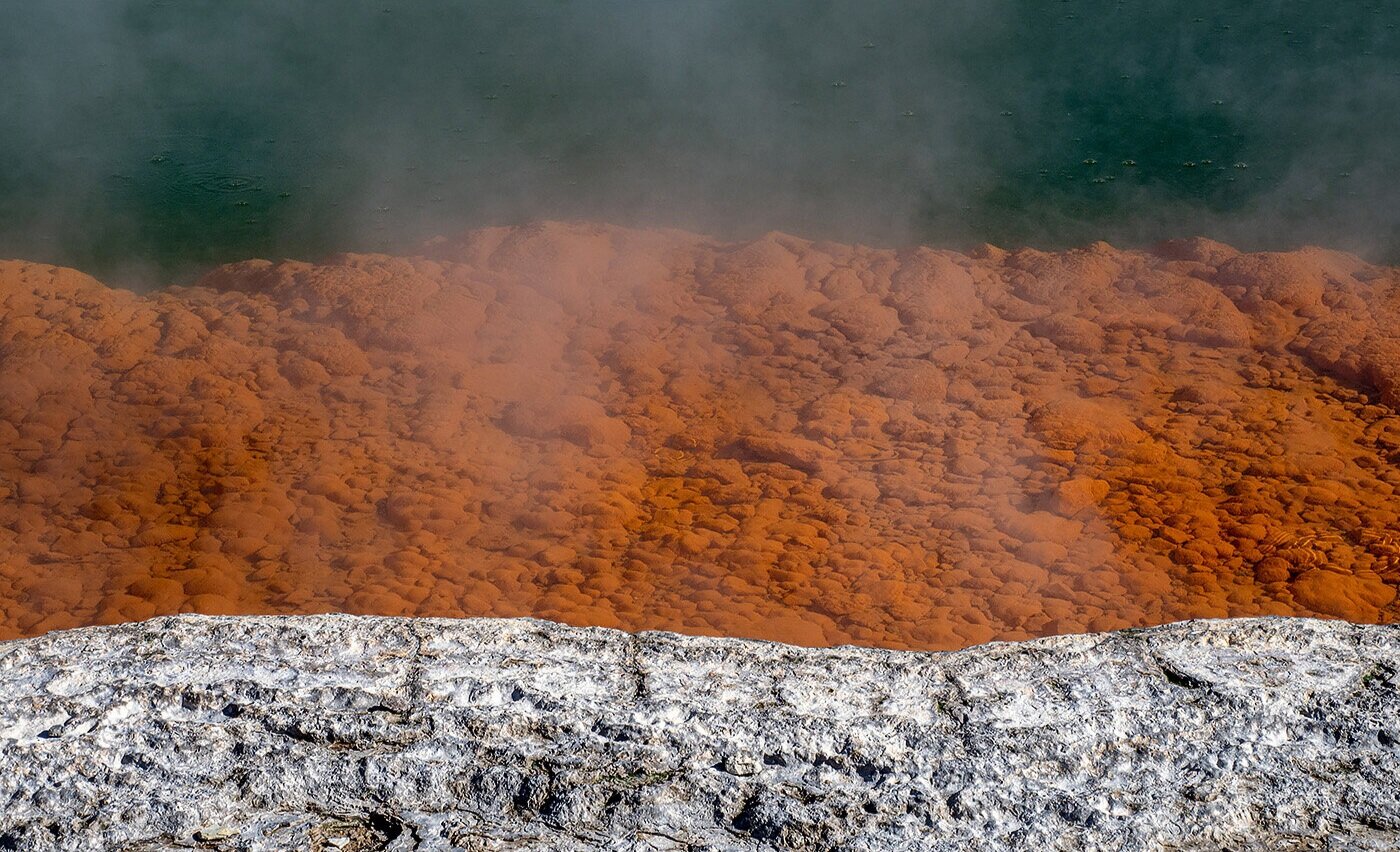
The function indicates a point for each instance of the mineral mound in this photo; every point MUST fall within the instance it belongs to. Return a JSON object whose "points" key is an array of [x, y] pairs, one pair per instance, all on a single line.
{"points": [[352, 734], [784, 439]]}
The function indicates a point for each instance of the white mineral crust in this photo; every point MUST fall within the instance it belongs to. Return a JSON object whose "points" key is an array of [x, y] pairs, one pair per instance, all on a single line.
{"points": [[356, 733]]}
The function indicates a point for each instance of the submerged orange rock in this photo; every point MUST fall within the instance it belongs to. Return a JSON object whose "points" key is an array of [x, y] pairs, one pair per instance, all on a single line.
{"points": [[784, 439]]}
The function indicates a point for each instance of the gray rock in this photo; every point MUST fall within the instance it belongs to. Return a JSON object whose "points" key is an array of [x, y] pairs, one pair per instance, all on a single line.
{"points": [[349, 733]]}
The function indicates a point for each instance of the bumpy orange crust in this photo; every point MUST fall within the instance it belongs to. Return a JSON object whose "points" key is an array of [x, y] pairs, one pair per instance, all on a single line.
{"points": [[811, 442]]}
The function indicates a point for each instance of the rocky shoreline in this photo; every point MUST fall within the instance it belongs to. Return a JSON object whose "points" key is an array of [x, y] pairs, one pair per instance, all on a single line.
{"points": [[359, 733]]}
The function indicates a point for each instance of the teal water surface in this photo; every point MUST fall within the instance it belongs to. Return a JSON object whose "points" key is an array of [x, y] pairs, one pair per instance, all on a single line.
{"points": [[144, 140]]}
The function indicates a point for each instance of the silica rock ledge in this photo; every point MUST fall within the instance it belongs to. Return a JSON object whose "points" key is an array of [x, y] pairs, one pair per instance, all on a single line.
{"points": [[359, 733]]}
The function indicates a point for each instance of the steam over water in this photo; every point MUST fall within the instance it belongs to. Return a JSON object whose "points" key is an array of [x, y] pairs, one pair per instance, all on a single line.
{"points": [[653, 374], [144, 138]]}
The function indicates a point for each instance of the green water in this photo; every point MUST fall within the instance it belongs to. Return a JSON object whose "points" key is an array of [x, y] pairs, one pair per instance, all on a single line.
{"points": [[146, 139]]}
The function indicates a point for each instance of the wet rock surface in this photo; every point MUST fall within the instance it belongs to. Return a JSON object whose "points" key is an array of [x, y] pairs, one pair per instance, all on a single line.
{"points": [[342, 732], [804, 441]]}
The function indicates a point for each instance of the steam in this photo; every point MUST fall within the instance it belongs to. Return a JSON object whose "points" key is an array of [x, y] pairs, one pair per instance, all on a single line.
{"points": [[152, 137]]}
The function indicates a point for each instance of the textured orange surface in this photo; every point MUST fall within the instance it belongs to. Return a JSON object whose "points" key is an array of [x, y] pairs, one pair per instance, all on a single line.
{"points": [[811, 442]]}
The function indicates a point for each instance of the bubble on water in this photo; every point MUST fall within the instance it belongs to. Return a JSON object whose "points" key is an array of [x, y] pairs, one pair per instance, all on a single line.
{"points": [[838, 84], [228, 183], [1130, 163], [1090, 161], [908, 113], [868, 45], [1241, 165]]}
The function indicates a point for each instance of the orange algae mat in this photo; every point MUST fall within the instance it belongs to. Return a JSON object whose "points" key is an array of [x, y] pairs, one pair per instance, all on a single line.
{"points": [[791, 440]]}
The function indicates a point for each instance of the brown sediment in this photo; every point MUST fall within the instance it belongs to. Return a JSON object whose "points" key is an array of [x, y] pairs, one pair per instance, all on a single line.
{"points": [[810, 442]]}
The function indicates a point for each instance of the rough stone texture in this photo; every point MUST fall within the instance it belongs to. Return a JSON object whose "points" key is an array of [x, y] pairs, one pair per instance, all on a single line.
{"points": [[358, 733]]}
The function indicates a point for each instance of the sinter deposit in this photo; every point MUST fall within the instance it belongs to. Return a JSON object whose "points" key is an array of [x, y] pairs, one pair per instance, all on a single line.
{"points": [[342, 732], [814, 442]]}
